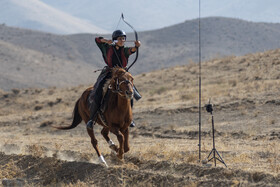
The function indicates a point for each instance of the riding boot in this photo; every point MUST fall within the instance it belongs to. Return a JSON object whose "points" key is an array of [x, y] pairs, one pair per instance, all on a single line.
{"points": [[93, 114], [136, 94]]}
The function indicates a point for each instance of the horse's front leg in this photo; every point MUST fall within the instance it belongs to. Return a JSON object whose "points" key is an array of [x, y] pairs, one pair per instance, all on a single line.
{"points": [[95, 146], [105, 133], [120, 137], [126, 142]]}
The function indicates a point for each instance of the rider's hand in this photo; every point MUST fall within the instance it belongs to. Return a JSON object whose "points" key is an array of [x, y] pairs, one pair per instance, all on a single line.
{"points": [[109, 42], [137, 43], [103, 40]]}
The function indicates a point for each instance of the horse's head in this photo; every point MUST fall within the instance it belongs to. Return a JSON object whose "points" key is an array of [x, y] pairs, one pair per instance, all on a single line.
{"points": [[122, 82]]}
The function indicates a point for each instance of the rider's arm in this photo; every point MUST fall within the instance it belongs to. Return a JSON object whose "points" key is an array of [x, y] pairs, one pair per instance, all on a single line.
{"points": [[130, 50], [137, 44], [103, 40]]}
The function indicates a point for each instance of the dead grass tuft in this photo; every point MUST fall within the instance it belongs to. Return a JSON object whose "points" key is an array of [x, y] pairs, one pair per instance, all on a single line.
{"points": [[77, 184], [242, 158], [273, 161], [159, 90], [10, 171], [271, 121], [36, 150], [166, 152]]}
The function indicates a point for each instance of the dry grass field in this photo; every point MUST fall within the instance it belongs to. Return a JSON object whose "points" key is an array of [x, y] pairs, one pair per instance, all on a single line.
{"points": [[245, 92]]}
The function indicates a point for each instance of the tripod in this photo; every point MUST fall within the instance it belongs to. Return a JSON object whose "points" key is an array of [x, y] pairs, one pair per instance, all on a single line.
{"points": [[209, 108]]}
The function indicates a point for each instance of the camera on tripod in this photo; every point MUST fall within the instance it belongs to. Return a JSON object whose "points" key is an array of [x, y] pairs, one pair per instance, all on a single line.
{"points": [[209, 108]]}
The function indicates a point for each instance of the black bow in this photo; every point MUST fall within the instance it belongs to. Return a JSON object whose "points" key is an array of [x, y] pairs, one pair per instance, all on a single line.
{"points": [[136, 38]]}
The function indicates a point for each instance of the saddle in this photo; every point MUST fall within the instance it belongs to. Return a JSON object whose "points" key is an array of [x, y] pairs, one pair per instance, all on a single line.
{"points": [[105, 94], [103, 102]]}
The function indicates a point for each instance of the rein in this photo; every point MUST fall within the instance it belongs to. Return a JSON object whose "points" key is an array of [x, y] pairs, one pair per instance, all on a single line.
{"points": [[118, 90]]}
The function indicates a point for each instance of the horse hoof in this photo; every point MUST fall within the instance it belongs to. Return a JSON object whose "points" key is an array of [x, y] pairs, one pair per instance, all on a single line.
{"points": [[114, 148], [102, 161], [126, 150], [120, 156]]}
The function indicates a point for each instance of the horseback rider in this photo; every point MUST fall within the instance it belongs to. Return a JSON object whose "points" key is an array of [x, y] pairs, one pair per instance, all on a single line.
{"points": [[114, 54]]}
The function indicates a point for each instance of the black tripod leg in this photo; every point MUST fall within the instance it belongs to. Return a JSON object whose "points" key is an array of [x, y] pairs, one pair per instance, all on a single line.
{"points": [[220, 159], [214, 151], [209, 155]]}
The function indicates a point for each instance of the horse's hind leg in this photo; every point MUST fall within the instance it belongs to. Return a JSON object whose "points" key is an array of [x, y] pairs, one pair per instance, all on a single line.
{"points": [[105, 133], [95, 146]]}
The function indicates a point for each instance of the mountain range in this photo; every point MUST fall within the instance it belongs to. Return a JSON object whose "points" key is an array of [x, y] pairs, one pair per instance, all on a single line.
{"points": [[150, 15], [93, 16], [36, 59]]}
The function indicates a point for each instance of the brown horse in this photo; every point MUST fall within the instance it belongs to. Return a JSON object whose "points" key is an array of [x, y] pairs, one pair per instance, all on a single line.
{"points": [[116, 117]]}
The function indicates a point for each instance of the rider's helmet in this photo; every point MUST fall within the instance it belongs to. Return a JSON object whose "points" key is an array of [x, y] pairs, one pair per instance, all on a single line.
{"points": [[118, 33]]}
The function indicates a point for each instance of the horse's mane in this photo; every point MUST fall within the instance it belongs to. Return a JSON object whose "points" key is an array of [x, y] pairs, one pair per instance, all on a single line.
{"points": [[118, 71]]}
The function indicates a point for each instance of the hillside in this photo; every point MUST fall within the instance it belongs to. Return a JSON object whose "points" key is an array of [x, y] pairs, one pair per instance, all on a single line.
{"points": [[245, 94], [167, 47], [178, 45], [253, 77], [30, 68], [35, 59]]}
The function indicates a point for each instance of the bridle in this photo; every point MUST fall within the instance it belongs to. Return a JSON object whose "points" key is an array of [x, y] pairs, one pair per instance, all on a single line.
{"points": [[117, 87]]}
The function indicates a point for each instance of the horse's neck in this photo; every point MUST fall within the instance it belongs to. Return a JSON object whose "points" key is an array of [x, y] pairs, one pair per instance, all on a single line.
{"points": [[123, 103], [120, 102]]}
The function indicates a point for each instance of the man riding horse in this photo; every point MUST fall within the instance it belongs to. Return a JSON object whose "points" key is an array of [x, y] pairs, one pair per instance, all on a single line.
{"points": [[114, 54]]}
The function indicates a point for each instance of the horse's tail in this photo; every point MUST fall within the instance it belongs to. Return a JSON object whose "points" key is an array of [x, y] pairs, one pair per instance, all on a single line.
{"points": [[77, 119]]}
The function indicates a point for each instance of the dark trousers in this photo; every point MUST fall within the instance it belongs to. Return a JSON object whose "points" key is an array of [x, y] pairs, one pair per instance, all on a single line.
{"points": [[96, 94]]}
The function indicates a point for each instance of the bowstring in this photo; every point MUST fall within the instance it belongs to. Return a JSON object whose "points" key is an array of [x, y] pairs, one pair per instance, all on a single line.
{"points": [[136, 35], [118, 23]]}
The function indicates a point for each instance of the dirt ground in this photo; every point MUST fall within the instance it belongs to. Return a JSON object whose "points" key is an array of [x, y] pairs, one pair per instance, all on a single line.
{"points": [[164, 143]]}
